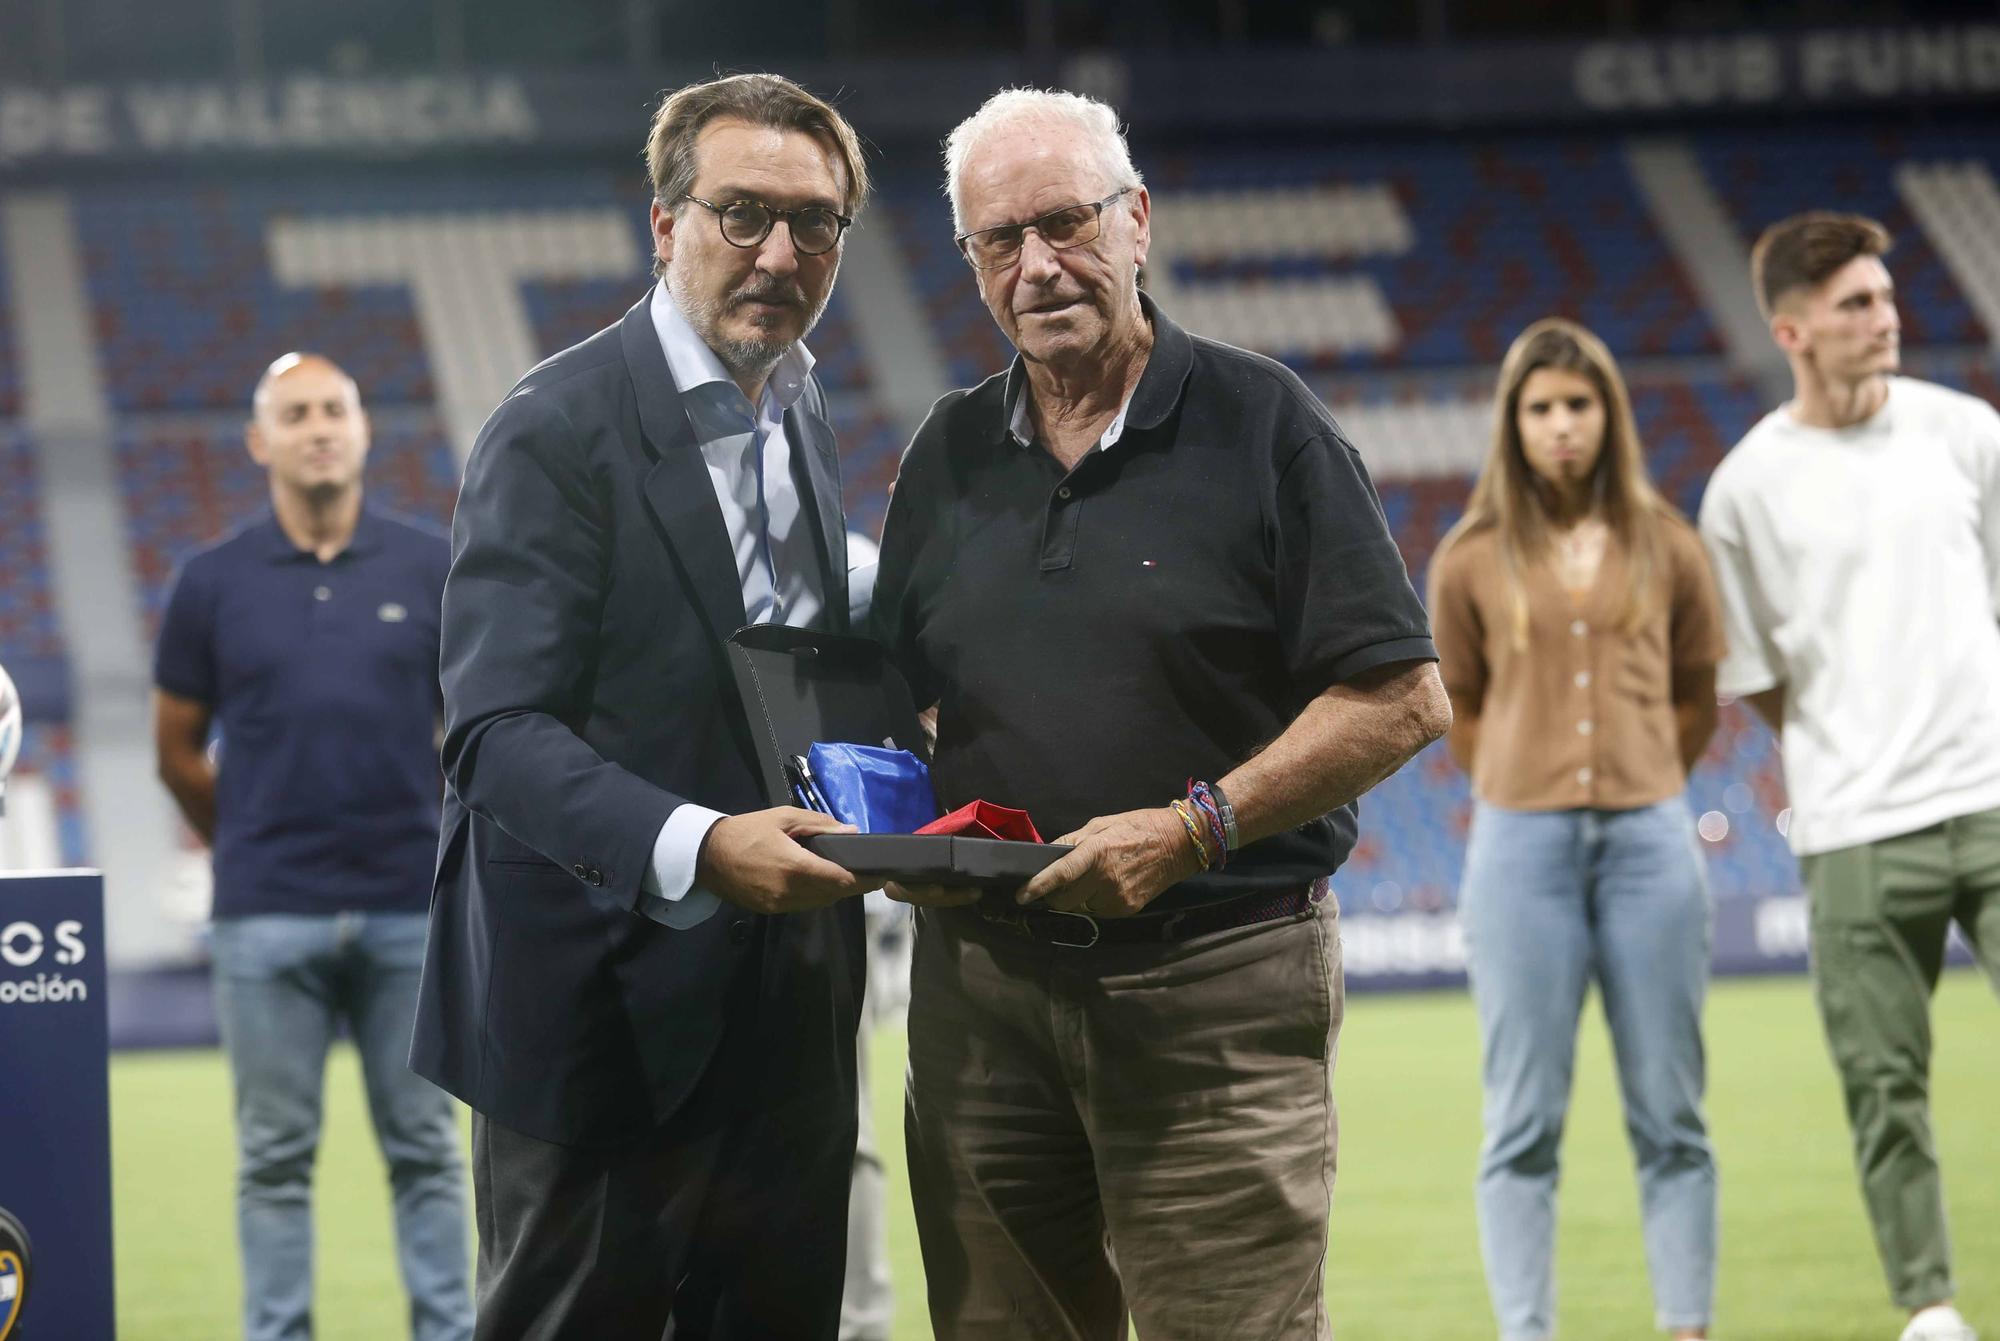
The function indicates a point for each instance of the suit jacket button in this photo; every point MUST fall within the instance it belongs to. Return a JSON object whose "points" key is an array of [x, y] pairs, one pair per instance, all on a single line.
{"points": [[739, 933], [596, 876], [578, 871]]}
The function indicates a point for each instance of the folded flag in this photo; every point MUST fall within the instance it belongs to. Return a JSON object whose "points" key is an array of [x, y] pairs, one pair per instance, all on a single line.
{"points": [[983, 819], [876, 790]]}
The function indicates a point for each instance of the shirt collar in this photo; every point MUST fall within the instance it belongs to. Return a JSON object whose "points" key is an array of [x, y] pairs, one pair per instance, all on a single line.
{"points": [[694, 364], [278, 547], [1151, 401], [1021, 424]]}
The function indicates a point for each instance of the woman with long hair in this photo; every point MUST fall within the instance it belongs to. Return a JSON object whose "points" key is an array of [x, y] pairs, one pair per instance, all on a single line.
{"points": [[1578, 632]]}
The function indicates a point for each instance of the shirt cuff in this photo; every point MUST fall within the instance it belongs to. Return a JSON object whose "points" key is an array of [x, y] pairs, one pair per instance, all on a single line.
{"points": [[668, 891]]}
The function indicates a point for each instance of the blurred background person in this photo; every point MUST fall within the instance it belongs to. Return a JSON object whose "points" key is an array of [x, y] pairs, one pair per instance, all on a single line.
{"points": [[309, 640], [1577, 631], [1856, 535]]}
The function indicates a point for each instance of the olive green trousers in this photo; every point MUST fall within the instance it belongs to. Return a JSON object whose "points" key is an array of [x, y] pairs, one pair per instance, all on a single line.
{"points": [[1880, 915]]}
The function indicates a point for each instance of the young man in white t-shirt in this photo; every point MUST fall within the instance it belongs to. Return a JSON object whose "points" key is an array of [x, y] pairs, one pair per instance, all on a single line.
{"points": [[1855, 533]]}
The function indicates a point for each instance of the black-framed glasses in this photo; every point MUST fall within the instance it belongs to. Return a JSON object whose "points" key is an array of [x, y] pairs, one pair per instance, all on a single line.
{"points": [[1070, 226], [815, 229]]}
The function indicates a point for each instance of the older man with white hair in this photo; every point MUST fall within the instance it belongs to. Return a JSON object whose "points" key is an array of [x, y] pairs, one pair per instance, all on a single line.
{"points": [[1148, 586]]}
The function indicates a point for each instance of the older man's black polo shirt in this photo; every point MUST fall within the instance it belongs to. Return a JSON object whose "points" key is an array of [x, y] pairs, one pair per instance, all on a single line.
{"points": [[323, 681], [1097, 638]]}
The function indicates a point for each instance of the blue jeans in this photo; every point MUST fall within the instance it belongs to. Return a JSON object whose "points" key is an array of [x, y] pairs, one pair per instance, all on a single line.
{"points": [[283, 985], [1551, 900]]}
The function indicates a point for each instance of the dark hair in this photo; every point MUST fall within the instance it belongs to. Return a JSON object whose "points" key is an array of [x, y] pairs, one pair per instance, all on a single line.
{"points": [[1800, 252], [760, 99]]}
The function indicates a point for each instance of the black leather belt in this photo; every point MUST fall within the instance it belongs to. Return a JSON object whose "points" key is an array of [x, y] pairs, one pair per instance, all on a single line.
{"points": [[1081, 931]]}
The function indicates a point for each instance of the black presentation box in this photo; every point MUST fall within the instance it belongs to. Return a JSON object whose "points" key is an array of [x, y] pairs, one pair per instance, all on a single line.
{"points": [[798, 687]]}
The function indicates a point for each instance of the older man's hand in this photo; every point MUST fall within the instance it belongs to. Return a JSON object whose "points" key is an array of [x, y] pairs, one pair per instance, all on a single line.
{"points": [[1121, 864]]}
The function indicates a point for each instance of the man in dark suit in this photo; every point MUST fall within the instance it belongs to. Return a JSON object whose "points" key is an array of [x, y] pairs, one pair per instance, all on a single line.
{"points": [[641, 982]]}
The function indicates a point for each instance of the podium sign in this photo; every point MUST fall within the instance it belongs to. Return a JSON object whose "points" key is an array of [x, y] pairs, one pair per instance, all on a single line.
{"points": [[55, 1108]]}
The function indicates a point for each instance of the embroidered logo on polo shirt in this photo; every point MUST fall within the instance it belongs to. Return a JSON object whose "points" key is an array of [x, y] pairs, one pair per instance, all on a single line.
{"points": [[392, 613]]}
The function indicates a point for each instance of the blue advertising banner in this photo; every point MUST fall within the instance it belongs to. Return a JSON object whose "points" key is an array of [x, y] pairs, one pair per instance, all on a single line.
{"points": [[1160, 93], [55, 1110]]}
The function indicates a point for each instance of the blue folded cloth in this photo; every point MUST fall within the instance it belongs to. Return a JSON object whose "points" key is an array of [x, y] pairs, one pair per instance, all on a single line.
{"points": [[874, 789]]}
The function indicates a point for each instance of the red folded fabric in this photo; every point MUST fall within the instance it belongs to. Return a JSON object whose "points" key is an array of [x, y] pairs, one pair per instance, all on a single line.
{"points": [[983, 819]]}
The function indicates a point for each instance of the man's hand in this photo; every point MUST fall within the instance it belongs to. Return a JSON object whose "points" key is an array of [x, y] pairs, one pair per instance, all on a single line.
{"points": [[755, 861], [180, 739], [1121, 864]]}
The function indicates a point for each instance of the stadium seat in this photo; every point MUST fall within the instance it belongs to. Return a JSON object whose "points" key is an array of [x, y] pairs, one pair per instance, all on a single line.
{"points": [[1767, 174], [185, 487]]}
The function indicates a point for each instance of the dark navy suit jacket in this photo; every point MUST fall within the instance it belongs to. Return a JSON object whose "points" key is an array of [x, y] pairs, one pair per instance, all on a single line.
{"points": [[586, 697]]}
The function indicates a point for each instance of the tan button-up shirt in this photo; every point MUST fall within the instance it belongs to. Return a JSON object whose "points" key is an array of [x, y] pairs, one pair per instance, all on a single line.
{"points": [[1583, 713]]}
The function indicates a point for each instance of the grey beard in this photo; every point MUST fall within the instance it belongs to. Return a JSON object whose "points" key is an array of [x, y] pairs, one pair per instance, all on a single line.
{"points": [[751, 360], [754, 359]]}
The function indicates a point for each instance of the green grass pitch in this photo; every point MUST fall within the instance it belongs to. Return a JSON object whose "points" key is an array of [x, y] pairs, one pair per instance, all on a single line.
{"points": [[1797, 1263]]}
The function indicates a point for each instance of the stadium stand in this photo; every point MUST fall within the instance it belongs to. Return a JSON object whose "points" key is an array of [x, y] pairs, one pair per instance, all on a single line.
{"points": [[1414, 826], [47, 753], [1976, 377], [186, 486], [10, 378], [568, 311], [871, 447], [1464, 244], [1766, 174], [1419, 255], [1958, 205], [28, 627], [188, 312], [1391, 275], [188, 309], [31, 646], [967, 341], [1687, 426], [1423, 453], [1413, 842]]}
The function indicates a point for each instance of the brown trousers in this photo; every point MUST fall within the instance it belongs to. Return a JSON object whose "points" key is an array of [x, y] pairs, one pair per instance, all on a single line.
{"points": [[1145, 1127]]}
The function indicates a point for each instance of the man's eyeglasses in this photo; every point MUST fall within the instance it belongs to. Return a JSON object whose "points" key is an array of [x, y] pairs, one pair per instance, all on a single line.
{"points": [[815, 229], [1070, 226]]}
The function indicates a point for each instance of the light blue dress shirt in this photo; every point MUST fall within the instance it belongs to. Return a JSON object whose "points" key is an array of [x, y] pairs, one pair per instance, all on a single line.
{"points": [[749, 461]]}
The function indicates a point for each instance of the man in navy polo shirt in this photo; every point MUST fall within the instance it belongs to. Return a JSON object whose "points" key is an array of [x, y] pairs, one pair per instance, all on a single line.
{"points": [[309, 640]]}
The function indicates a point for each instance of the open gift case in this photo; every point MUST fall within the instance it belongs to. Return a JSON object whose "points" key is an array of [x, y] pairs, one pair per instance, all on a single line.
{"points": [[802, 689]]}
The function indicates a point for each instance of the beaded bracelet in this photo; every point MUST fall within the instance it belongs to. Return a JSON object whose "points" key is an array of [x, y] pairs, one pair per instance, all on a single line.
{"points": [[1202, 797], [1194, 829]]}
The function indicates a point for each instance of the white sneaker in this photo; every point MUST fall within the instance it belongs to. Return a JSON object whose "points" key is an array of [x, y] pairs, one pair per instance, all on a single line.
{"points": [[1939, 1322]]}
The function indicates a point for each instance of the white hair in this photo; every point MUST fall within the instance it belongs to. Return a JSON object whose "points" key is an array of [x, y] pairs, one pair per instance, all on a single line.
{"points": [[1093, 123]]}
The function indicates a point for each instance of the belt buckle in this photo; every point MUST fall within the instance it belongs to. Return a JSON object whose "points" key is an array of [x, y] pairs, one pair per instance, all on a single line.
{"points": [[1084, 918], [1001, 915]]}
